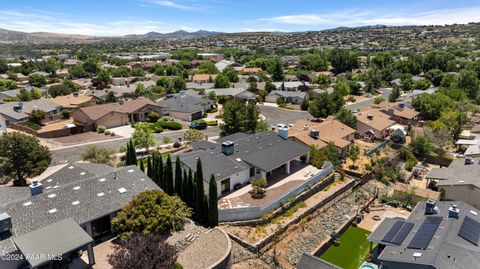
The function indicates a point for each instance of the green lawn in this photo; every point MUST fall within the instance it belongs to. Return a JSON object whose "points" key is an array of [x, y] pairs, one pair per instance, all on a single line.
{"points": [[351, 252]]}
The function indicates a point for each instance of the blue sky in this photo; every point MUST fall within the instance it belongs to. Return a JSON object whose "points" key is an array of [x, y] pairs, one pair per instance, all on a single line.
{"points": [[120, 17]]}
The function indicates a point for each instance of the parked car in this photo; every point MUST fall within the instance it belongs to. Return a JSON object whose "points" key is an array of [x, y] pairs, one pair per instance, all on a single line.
{"points": [[198, 125], [281, 126]]}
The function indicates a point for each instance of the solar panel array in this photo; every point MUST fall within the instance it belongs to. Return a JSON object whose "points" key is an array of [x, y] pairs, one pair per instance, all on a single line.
{"points": [[398, 232], [425, 233], [402, 233], [470, 230], [393, 231]]}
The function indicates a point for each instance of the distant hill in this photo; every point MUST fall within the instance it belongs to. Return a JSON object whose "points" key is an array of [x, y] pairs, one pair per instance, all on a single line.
{"points": [[180, 34]]}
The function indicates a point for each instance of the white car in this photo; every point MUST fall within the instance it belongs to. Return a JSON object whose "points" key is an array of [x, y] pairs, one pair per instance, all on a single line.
{"points": [[281, 126]]}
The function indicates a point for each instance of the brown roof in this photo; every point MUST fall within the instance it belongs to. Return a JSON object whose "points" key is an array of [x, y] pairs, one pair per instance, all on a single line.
{"points": [[71, 100], [203, 77], [251, 70], [404, 112], [331, 130], [379, 122], [97, 112]]}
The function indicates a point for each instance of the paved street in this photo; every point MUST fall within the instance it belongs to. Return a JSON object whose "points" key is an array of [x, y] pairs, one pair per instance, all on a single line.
{"points": [[72, 154], [366, 103], [275, 115]]}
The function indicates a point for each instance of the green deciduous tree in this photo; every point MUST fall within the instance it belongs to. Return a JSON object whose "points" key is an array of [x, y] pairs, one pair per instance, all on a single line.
{"points": [[21, 157], [37, 80], [143, 137], [149, 212], [221, 81], [346, 117]]}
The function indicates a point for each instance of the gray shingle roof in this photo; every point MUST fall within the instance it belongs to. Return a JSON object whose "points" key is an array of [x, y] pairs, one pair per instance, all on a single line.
{"points": [[184, 103], [308, 261], [446, 249], [457, 173], [41, 104], [86, 190], [288, 94], [265, 150]]}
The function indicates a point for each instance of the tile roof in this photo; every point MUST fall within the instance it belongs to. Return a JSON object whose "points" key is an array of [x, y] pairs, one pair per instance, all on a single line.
{"points": [[331, 130], [379, 122], [72, 100], [130, 106], [203, 77]]}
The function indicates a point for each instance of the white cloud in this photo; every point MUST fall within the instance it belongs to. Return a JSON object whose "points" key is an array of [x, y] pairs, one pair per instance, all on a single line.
{"points": [[361, 18], [176, 5], [43, 22]]}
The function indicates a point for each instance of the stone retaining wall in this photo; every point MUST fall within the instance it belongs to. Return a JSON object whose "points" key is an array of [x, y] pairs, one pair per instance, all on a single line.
{"points": [[224, 262]]}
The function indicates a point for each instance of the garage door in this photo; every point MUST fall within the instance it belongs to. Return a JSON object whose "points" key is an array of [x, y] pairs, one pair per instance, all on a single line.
{"points": [[197, 115], [114, 120]]}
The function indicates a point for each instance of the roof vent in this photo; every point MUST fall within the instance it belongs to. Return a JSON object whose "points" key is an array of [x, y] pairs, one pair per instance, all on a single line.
{"points": [[468, 161], [228, 148], [53, 210], [283, 133], [36, 188], [453, 211], [430, 207], [5, 222], [369, 116]]}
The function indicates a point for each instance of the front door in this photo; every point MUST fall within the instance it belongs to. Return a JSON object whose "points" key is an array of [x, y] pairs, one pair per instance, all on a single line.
{"points": [[225, 185]]}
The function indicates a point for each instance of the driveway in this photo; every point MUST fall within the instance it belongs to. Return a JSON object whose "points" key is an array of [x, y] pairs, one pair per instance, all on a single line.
{"points": [[368, 102], [124, 131], [276, 115]]}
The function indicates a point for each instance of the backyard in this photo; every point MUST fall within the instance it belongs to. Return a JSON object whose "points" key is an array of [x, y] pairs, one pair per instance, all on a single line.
{"points": [[352, 250]]}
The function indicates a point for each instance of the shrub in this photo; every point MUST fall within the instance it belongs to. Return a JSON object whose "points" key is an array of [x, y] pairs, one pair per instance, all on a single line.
{"points": [[167, 140], [106, 132], [65, 114], [34, 126], [101, 129], [177, 145], [212, 123], [112, 134], [156, 127], [122, 149], [170, 125], [152, 116]]}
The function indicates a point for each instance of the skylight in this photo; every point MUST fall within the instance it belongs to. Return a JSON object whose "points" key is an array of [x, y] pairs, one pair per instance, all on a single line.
{"points": [[27, 203], [52, 195], [122, 190], [49, 180], [56, 186], [100, 194], [473, 213], [75, 202], [130, 170], [70, 167], [76, 188], [53, 210], [102, 179], [82, 173]]}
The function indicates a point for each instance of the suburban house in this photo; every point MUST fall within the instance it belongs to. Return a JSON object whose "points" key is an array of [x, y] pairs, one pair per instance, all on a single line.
{"points": [[13, 112], [203, 78], [435, 235], [287, 96], [398, 112], [237, 158], [239, 93], [62, 73], [308, 261], [64, 213], [373, 123], [114, 114], [291, 85], [320, 134], [185, 107], [74, 101], [9, 94], [84, 83], [251, 70], [460, 180]]}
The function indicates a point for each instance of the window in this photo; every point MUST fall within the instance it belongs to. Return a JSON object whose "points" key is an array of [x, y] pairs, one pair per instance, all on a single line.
{"points": [[225, 185], [252, 171]]}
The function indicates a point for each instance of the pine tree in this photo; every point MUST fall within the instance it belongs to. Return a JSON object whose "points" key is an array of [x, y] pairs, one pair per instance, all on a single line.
{"points": [[142, 166], [199, 193], [168, 178], [212, 203], [178, 177]]}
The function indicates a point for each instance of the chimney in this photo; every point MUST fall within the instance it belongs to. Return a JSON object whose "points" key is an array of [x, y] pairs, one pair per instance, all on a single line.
{"points": [[430, 207], [5, 223], [18, 107], [121, 101], [283, 133], [369, 116], [228, 148], [468, 161], [402, 105], [315, 134], [453, 211], [36, 188]]}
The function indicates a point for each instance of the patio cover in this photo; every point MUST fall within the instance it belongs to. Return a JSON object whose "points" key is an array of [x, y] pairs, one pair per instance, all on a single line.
{"points": [[46, 243]]}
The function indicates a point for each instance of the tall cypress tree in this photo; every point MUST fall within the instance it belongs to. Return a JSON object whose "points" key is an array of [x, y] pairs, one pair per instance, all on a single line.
{"points": [[191, 190], [184, 191], [133, 153], [159, 172], [212, 203], [168, 178], [142, 166], [199, 193], [149, 167], [128, 156], [178, 177], [205, 213]]}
